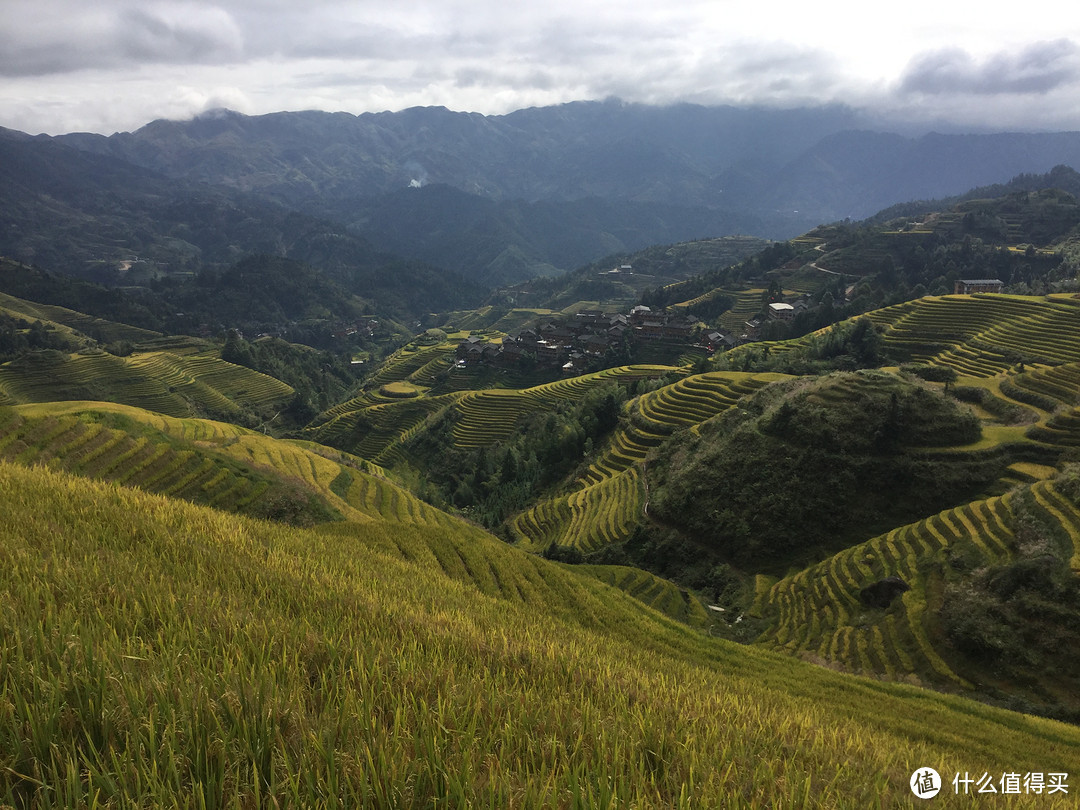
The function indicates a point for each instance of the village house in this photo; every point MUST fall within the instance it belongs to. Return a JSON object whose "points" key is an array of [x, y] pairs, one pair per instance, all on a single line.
{"points": [[572, 344], [594, 345], [510, 353], [719, 340], [589, 317], [650, 329], [465, 351], [780, 311], [550, 353], [967, 286], [678, 329]]}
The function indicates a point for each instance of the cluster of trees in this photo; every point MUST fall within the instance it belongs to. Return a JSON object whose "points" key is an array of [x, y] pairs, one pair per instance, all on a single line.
{"points": [[1021, 619], [19, 336], [845, 347], [320, 378]]}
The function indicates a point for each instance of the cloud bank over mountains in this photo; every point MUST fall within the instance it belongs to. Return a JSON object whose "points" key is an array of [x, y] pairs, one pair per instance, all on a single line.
{"points": [[116, 64]]}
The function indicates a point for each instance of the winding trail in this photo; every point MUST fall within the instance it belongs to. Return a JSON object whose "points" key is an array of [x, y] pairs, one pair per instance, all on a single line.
{"points": [[816, 266]]}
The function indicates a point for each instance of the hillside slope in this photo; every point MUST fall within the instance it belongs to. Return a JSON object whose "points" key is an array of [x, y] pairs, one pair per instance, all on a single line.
{"points": [[993, 602], [155, 650]]}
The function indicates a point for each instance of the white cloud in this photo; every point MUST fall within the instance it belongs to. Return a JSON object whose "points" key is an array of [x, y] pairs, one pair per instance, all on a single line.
{"points": [[1039, 68], [114, 64]]}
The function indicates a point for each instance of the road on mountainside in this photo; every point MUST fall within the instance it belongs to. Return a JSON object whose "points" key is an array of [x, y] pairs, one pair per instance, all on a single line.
{"points": [[816, 266]]}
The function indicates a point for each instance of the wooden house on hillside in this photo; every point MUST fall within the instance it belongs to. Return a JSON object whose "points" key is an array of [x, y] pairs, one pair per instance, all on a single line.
{"points": [[967, 286]]}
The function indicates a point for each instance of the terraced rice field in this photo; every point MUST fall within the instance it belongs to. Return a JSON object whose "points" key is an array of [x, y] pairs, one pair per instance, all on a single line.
{"points": [[817, 614], [689, 304], [1051, 389], [156, 381], [655, 592], [516, 319], [747, 304], [982, 335], [590, 518], [656, 415], [174, 344], [94, 450], [96, 328], [488, 416], [195, 459], [609, 498], [405, 362], [239, 384], [1055, 392], [374, 427], [381, 665]]}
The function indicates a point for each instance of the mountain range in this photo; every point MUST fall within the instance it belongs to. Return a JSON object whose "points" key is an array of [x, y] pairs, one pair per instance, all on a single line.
{"points": [[497, 199]]}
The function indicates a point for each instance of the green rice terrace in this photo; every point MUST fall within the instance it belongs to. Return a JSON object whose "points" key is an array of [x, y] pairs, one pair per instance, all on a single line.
{"points": [[376, 426], [605, 502], [155, 650], [162, 381]]}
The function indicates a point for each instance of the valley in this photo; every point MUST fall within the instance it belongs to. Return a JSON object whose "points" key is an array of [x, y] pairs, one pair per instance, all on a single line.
{"points": [[294, 520]]}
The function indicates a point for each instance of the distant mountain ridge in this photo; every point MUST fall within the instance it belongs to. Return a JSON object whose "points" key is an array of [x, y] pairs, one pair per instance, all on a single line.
{"points": [[823, 163], [494, 200]]}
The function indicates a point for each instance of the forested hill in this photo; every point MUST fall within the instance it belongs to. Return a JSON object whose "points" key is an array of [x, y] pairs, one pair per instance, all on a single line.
{"points": [[1061, 177], [824, 163], [1025, 233], [554, 188], [99, 218]]}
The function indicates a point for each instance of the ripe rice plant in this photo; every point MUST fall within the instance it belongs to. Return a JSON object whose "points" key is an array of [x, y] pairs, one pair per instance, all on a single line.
{"points": [[156, 651], [206, 462], [1001, 328]]}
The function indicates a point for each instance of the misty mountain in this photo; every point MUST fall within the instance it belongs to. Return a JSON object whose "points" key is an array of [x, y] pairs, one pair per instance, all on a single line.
{"points": [[585, 149], [496, 199], [788, 169], [499, 242], [103, 219], [855, 174]]}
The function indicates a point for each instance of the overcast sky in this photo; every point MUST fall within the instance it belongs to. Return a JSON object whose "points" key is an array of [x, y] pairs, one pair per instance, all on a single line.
{"points": [[112, 65]]}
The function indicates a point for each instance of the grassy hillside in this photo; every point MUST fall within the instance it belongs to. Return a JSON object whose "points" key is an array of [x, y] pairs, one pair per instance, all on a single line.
{"points": [[158, 652]]}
